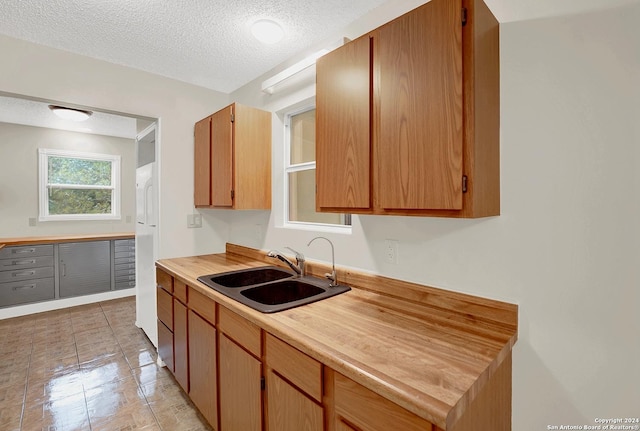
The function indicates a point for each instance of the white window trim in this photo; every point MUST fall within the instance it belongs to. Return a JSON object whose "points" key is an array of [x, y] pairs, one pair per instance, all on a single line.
{"points": [[43, 186], [288, 168]]}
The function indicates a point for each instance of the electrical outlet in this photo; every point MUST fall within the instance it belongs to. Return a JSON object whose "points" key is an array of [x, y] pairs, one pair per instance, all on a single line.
{"points": [[391, 249], [32, 221], [194, 221]]}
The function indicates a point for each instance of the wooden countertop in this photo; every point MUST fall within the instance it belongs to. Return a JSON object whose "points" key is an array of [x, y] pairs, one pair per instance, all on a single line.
{"points": [[7, 242], [426, 349]]}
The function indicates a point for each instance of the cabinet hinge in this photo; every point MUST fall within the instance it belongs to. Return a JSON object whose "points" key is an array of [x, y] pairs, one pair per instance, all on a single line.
{"points": [[262, 383], [464, 16], [233, 194], [465, 180], [233, 118]]}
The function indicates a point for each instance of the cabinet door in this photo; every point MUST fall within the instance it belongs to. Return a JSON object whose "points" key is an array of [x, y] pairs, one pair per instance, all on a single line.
{"points": [[165, 345], [202, 367], [343, 140], [418, 148], [240, 391], [368, 411], [289, 409], [222, 158], [202, 150], [180, 346], [85, 268]]}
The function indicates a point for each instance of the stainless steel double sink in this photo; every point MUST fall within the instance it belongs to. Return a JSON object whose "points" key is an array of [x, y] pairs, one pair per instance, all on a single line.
{"points": [[269, 289]]}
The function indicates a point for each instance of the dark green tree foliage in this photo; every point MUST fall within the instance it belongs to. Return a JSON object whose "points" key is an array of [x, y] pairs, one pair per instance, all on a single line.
{"points": [[67, 170], [73, 171]]}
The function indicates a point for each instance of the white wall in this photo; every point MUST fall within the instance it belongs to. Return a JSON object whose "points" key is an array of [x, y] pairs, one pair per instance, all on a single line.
{"points": [[19, 179], [37, 71], [566, 247]]}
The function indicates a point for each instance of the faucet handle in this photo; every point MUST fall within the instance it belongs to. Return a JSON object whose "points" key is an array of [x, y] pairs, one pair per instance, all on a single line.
{"points": [[299, 256]]}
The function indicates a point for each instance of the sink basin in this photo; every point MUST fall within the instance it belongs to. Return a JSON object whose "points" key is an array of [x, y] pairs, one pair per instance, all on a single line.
{"points": [[279, 293], [269, 289], [249, 277]]}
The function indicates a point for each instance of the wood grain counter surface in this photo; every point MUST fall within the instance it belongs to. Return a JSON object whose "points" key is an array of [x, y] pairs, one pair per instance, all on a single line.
{"points": [[32, 240], [429, 350]]}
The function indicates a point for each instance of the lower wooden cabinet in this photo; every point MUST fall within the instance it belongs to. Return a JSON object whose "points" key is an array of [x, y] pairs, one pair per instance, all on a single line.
{"points": [[357, 407], [203, 384], [289, 409], [294, 388], [165, 345], [240, 388], [180, 335]]}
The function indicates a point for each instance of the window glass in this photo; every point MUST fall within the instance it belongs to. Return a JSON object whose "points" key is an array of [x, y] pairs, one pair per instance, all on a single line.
{"points": [[303, 137], [301, 172], [78, 186]]}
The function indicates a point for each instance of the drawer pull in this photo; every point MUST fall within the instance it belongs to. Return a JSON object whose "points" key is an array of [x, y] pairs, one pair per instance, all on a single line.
{"points": [[24, 262], [23, 273], [25, 287], [24, 251]]}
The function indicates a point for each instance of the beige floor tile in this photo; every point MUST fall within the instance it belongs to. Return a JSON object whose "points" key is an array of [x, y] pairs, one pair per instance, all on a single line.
{"points": [[87, 368], [151, 373], [10, 416], [102, 334], [140, 356], [69, 413], [12, 378], [104, 373], [13, 395]]}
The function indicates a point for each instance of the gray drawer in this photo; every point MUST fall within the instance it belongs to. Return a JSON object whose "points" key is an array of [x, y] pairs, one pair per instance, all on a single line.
{"points": [[125, 277], [125, 284], [23, 292], [123, 272], [26, 274], [26, 251], [121, 248], [125, 254], [125, 242], [128, 265], [25, 262]]}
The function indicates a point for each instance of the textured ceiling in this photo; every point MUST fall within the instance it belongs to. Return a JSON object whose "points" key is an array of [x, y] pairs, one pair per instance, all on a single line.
{"points": [[208, 42], [203, 42]]}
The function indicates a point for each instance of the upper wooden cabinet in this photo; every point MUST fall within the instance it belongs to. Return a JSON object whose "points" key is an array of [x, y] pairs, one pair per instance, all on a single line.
{"points": [[408, 116], [233, 159]]}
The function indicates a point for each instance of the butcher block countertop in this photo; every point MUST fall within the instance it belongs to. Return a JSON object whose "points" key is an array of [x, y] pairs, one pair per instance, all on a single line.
{"points": [[429, 350], [32, 240]]}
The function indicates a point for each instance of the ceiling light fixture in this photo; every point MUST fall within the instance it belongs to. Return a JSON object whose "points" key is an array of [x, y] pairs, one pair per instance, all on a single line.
{"points": [[267, 31], [70, 113]]}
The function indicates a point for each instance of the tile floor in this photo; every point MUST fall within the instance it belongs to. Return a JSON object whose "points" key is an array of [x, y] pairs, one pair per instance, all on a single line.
{"points": [[87, 368]]}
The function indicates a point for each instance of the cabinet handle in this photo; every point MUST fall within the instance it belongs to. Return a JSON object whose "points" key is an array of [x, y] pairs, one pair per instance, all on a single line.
{"points": [[64, 269], [25, 287], [24, 251], [24, 262], [23, 273]]}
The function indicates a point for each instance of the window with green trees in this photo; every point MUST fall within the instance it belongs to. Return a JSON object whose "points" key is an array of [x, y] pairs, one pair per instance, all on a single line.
{"points": [[78, 186]]}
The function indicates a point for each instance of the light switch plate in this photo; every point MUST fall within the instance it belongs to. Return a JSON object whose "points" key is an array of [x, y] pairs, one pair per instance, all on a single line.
{"points": [[194, 221]]}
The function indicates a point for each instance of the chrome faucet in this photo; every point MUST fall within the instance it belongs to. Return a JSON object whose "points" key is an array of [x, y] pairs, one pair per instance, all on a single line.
{"points": [[297, 267], [333, 276]]}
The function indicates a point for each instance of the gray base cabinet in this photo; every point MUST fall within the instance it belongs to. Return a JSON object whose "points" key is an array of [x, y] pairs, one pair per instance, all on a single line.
{"points": [[85, 268], [27, 274], [46, 272]]}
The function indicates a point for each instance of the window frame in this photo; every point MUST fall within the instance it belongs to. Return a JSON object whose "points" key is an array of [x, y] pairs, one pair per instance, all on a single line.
{"points": [[299, 167], [43, 185]]}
